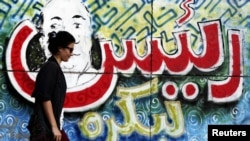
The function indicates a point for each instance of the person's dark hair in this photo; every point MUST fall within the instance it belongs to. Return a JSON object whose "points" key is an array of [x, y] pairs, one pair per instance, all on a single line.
{"points": [[59, 40]]}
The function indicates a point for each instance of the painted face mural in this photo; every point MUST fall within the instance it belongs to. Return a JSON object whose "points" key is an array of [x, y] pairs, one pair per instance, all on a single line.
{"points": [[28, 48], [58, 15]]}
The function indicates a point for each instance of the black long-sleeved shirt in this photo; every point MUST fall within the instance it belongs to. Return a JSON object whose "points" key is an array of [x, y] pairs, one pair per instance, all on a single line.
{"points": [[50, 85]]}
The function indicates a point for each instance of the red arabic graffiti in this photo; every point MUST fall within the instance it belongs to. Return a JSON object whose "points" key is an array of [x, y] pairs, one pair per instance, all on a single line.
{"points": [[231, 88], [189, 12], [154, 62]]}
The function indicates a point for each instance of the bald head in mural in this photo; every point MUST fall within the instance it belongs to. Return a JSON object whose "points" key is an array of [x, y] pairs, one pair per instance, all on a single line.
{"points": [[71, 16]]}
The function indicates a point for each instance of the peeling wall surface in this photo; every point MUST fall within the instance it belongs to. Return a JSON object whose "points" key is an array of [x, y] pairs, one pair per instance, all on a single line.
{"points": [[151, 70]]}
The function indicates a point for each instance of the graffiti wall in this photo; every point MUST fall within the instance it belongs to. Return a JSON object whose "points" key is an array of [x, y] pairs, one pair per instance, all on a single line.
{"points": [[153, 70]]}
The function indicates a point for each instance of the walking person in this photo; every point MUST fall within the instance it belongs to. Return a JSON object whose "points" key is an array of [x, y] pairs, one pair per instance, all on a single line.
{"points": [[50, 90]]}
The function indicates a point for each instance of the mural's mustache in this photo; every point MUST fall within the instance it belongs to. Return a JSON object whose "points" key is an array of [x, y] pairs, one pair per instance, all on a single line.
{"points": [[74, 54]]}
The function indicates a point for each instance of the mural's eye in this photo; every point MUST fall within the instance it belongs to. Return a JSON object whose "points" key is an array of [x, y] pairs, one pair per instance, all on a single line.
{"points": [[77, 25], [53, 26], [56, 26]]}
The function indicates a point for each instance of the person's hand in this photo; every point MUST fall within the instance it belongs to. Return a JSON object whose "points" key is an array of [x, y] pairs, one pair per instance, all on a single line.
{"points": [[57, 134]]}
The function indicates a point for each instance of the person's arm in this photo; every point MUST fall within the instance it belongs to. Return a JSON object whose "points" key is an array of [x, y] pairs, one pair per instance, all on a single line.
{"points": [[47, 106]]}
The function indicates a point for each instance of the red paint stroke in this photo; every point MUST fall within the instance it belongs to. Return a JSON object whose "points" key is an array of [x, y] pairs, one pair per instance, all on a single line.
{"points": [[189, 12]]}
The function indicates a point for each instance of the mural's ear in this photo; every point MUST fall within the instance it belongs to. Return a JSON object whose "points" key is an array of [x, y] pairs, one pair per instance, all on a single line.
{"points": [[96, 54], [35, 54]]}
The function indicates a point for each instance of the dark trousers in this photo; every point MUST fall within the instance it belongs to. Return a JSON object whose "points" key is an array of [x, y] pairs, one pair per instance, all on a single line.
{"points": [[44, 137]]}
